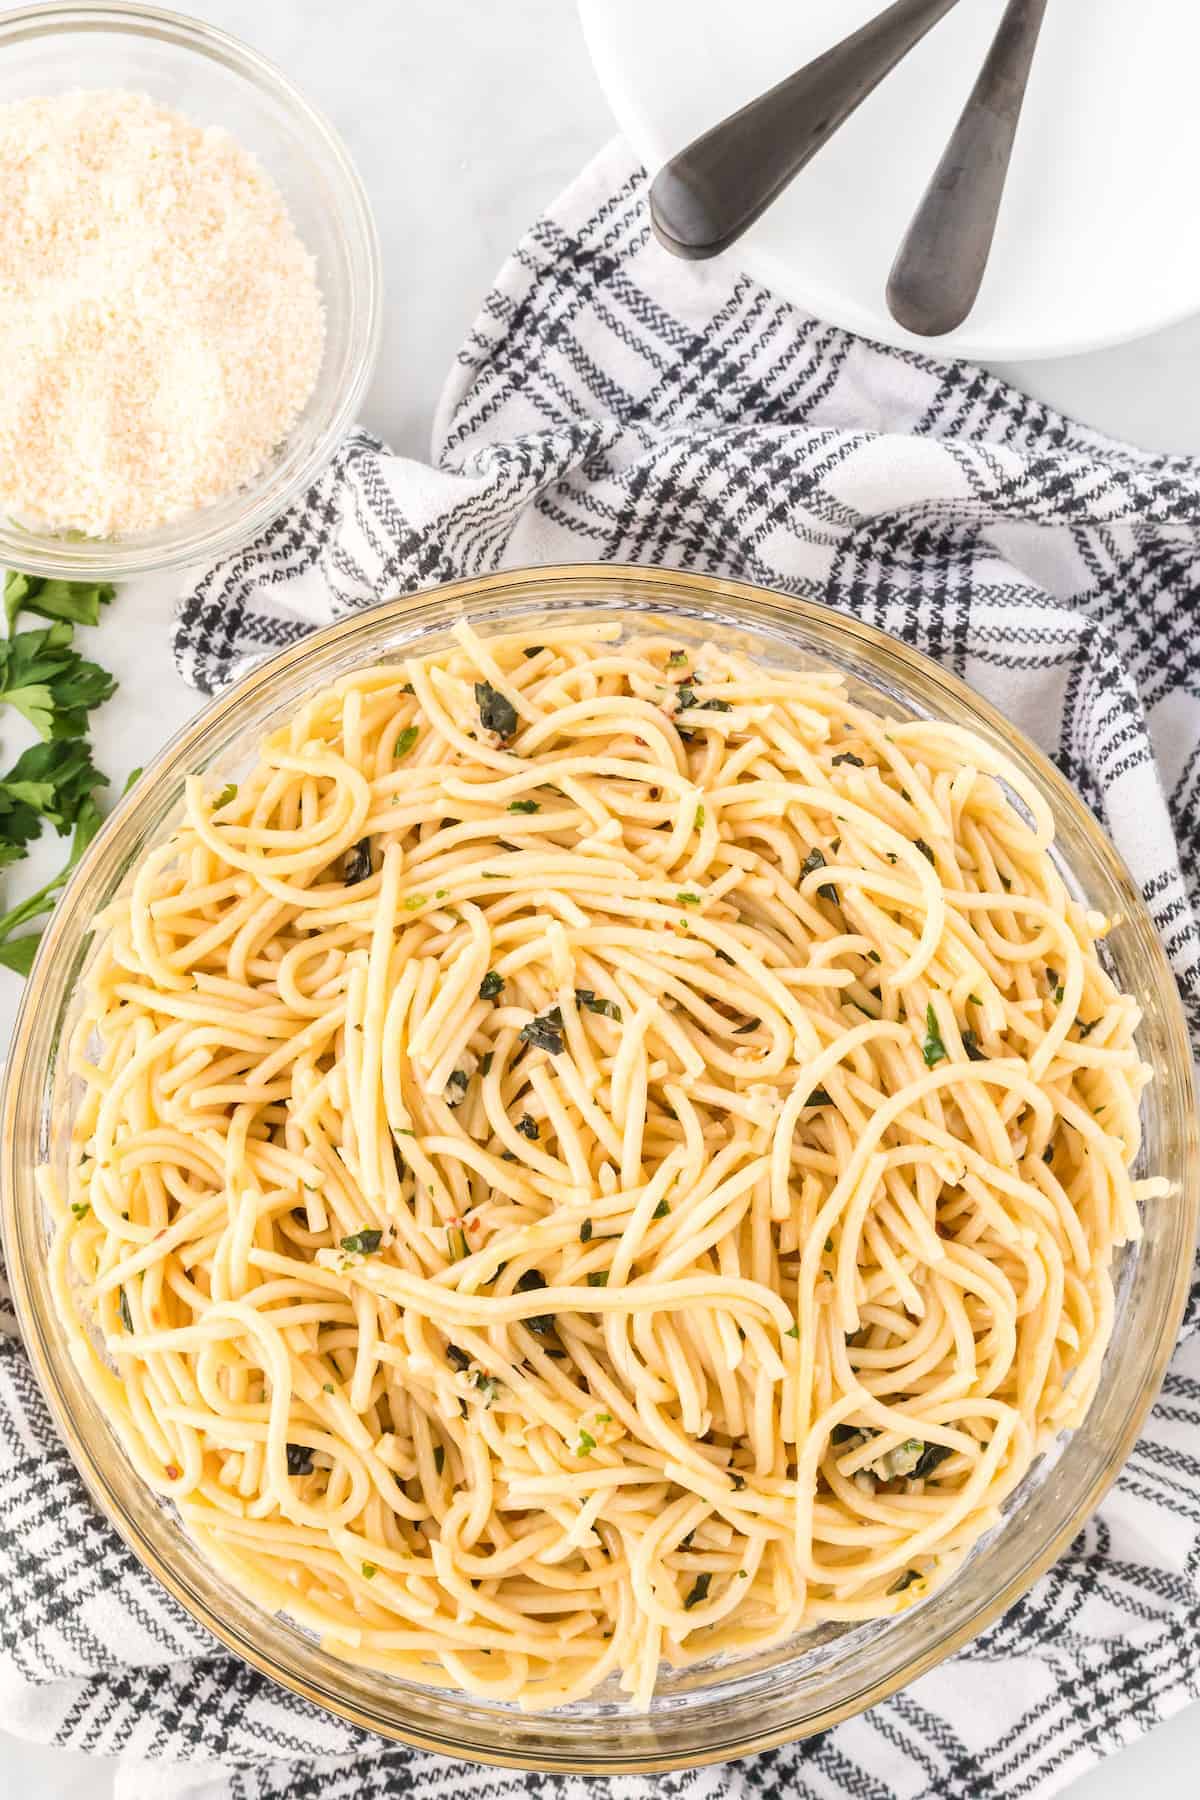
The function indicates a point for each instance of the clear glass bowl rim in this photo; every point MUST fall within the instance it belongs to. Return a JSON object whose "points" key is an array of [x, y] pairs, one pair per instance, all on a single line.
{"points": [[701, 1732], [190, 539]]}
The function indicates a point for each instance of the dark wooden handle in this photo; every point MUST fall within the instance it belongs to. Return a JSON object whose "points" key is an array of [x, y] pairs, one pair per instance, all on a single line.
{"points": [[706, 196], [936, 276]]}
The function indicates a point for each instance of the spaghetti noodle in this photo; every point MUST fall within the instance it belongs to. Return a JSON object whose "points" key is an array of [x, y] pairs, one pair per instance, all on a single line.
{"points": [[596, 1153]]}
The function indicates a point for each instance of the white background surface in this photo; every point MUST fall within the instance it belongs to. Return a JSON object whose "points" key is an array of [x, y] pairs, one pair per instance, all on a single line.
{"points": [[465, 118]]}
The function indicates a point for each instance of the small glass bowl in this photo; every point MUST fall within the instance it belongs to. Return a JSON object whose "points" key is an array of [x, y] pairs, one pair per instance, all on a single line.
{"points": [[720, 1710], [214, 80]]}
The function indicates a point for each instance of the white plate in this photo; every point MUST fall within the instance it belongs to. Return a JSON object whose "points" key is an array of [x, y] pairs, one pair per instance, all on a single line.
{"points": [[1097, 239]]}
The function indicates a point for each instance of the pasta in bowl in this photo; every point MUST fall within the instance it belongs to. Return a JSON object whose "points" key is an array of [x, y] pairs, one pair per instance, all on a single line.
{"points": [[598, 1164]]}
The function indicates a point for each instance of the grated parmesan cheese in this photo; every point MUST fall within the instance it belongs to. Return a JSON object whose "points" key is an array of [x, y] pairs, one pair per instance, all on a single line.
{"points": [[161, 327]]}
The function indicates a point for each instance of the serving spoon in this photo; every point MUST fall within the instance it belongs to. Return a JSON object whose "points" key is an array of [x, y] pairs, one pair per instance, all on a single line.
{"points": [[703, 199], [939, 267]]}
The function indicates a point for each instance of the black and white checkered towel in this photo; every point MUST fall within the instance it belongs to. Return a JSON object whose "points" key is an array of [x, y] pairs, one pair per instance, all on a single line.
{"points": [[612, 403]]}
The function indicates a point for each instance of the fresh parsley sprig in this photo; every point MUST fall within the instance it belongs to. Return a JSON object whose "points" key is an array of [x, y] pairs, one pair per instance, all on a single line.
{"points": [[17, 948], [46, 680], [78, 602], [44, 677]]}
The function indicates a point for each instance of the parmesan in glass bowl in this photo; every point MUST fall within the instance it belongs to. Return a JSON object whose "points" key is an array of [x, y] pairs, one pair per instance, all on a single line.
{"points": [[166, 415]]}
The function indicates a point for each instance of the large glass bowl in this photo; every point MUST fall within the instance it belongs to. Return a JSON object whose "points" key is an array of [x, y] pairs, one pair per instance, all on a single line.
{"points": [[214, 80], [700, 1714]]}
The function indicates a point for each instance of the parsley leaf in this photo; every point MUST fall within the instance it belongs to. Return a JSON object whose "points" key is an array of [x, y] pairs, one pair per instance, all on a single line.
{"points": [[541, 1324], [363, 1243], [587, 1001], [813, 861], [76, 602], [933, 1049], [356, 864], [699, 1590], [49, 683], [686, 701], [496, 712], [17, 953], [48, 781], [932, 1455], [545, 1033], [299, 1459], [905, 1581]]}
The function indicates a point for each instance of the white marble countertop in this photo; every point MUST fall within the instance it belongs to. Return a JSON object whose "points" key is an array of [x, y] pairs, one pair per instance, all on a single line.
{"points": [[464, 120]]}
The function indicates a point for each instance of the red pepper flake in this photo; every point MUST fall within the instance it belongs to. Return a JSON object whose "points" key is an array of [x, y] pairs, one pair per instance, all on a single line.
{"points": [[173, 1473]]}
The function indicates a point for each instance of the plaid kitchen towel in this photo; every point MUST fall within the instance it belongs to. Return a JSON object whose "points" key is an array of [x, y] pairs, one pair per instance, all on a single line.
{"points": [[613, 403]]}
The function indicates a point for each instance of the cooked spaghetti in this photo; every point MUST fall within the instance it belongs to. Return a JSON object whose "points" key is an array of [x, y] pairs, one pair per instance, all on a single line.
{"points": [[596, 1154]]}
